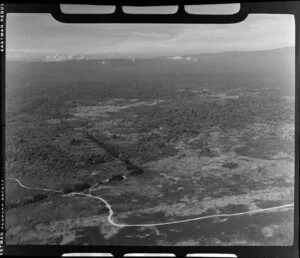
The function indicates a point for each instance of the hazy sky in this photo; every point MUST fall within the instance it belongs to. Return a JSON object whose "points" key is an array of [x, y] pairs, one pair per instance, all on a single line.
{"points": [[37, 35]]}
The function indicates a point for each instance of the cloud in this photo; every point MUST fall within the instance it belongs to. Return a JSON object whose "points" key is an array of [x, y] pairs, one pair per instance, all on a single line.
{"points": [[34, 34]]}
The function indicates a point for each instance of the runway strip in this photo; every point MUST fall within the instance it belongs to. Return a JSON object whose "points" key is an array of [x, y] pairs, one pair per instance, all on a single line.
{"points": [[111, 212]]}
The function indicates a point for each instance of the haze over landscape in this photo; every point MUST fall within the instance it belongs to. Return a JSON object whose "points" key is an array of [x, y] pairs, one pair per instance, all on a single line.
{"points": [[150, 134]]}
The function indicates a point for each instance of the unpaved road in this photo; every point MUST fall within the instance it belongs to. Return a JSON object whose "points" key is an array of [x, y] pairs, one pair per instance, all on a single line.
{"points": [[111, 212]]}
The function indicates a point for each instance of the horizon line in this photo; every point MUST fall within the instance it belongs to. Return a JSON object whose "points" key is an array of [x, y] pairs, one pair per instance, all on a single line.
{"points": [[129, 58]]}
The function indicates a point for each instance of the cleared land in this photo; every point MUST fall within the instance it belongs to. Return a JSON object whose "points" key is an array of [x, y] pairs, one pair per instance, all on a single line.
{"points": [[156, 152]]}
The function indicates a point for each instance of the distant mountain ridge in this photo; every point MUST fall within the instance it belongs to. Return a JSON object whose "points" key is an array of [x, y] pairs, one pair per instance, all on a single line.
{"points": [[268, 68], [188, 57], [193, 57]]}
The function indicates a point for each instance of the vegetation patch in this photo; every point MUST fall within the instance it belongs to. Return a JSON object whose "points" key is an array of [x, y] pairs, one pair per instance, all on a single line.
{"points": [[134, 170], [27, 200], [76, 187], [67, 190], [230, 165], [118, 177]]}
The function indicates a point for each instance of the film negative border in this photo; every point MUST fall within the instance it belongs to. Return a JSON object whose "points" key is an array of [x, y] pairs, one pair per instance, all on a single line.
{"points": [[283, 7]]}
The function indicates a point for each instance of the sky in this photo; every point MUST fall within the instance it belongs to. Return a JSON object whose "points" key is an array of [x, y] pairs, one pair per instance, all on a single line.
{"points": [[30, 36]]}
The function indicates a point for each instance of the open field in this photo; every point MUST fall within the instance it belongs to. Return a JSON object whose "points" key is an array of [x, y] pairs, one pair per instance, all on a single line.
{"points": [[157, 151]]}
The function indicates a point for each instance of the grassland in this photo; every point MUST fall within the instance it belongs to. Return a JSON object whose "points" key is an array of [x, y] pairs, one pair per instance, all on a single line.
{"points": [[157, 152]]}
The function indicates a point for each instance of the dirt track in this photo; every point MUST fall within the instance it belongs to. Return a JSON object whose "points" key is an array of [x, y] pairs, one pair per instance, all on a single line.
{"points": [[111, 212]]}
